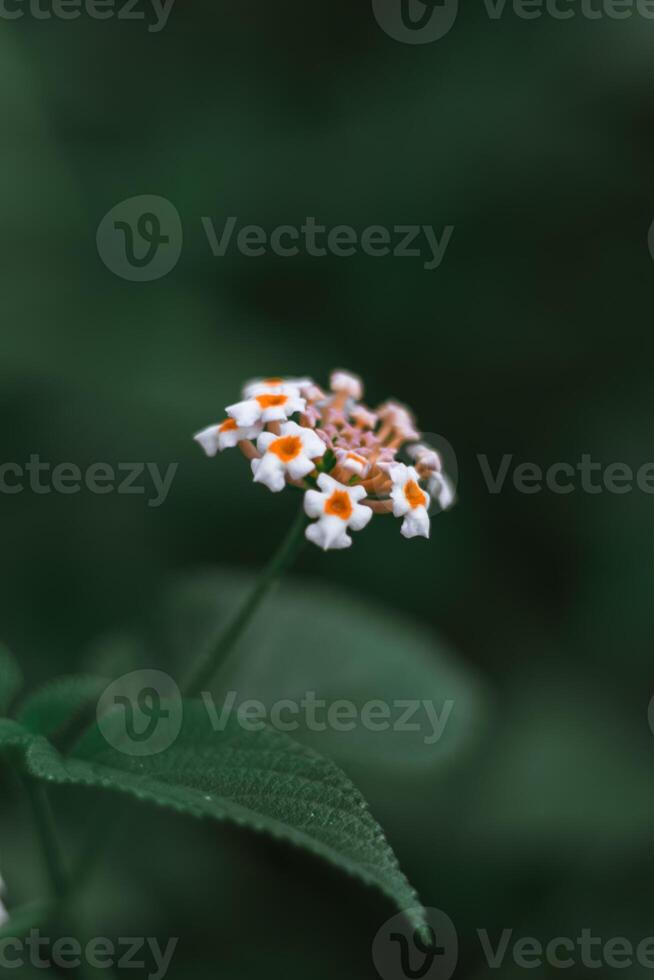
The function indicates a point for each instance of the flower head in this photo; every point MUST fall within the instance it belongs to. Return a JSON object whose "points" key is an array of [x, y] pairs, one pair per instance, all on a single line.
{"points": [[343, 454]]}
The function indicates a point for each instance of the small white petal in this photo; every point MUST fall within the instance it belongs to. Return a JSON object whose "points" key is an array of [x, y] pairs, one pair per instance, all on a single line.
{"points": [[361, 517], [208, 439], [300, 467], [270, 472], [265, 440], [401, 505], [442, 489], [329, 534], [416, 523], [245, 413], [357, 493], [314, 503], [314, 447], [327, 483]]}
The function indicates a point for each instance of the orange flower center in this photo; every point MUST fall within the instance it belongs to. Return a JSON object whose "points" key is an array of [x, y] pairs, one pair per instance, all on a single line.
{"points": [[273, 381], [414, 494], [286, 448], [227, 425], [339, 505], [272, 401]]}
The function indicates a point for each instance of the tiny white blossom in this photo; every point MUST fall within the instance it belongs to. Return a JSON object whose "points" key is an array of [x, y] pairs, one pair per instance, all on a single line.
{"points": [[291, 452], [352, 462], [266, 407], [440, 487], [425, 457], [224, 435], [342, 382], [406, 430], [275, 386], [409, 501], [338, 509], [396, 414], [364, 417]]}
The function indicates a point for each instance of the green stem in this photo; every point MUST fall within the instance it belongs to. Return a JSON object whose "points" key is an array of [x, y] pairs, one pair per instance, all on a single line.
{"points": [[47, 833], [60, 884], [218, 655]]}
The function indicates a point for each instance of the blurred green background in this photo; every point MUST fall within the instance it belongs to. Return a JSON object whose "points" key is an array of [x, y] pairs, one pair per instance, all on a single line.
{"points": [[533, 139]]}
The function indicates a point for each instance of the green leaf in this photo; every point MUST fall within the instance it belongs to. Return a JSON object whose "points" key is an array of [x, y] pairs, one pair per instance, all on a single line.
{"points": [[11, 679], [319, 639], [327, 463], [262, 781], [60, 703], [13, 735]]}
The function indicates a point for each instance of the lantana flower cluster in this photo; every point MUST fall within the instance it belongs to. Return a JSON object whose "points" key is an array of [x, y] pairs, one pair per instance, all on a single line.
{"points": [[343, 454]]}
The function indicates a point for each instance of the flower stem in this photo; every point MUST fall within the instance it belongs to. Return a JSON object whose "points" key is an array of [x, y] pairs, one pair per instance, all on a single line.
{"points": [[60, 883], [218, 655], [47, 833]]}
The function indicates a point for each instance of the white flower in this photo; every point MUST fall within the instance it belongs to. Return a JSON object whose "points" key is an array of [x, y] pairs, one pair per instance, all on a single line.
{"points": [[4, 914], [338, 509], [342, 382], [442, 489], [266, 407], [406, 430], [409, 501], [364, 417], [352, 462], [225, 435], [291, 452], [395, 414], [275, 386], [425, 457]]}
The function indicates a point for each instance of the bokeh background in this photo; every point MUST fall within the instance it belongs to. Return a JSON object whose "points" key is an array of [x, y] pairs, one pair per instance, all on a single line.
{"points": [[533, 139]]}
